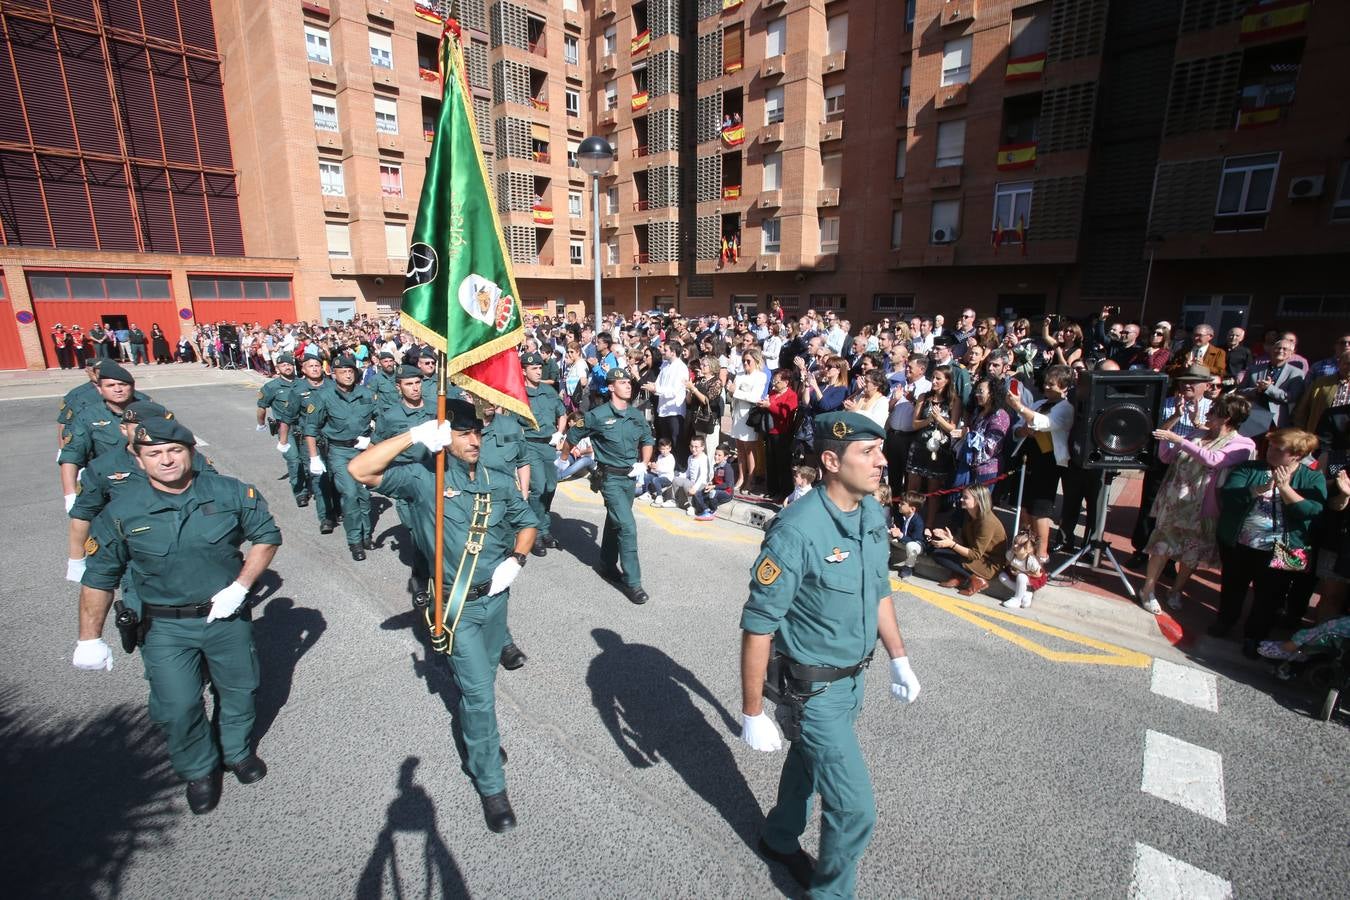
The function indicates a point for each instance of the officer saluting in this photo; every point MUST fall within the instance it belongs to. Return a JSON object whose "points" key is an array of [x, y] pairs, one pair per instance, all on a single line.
{"points": [[622, 441], [819, 598], [488, 529], [178, 534]]}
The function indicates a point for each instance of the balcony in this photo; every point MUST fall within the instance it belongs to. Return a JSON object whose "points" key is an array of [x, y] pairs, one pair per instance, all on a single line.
{"points": [[768, 262], [951, 95], [642, 259], [771, 134], [642, 204], [606, 8], [1012, 157], [827, 197], [396, 204], [608, 119], [336, 203], [428, 134], [389, 141], [341, 265], [831, 131], [731, 192], [384, 77], [324, 73], [773, 67], [732, 66], [427, 15], [328, 140], [769, 199], [954, 12], [826, 262], [945, 177], [610, 221], [430, 78], [833, 62], [380, 9], [609, 63], [939, 255], [541, 156], [639, 151]]}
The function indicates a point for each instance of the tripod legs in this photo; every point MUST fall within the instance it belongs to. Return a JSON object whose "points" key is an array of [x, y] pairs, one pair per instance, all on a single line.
{"points": [[1096, 544]]}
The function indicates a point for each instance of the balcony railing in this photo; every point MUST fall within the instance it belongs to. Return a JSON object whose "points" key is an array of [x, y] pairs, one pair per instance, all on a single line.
{"points": [[326, 123], [426, 13], [640, 150], [732, 66], [1016, 156], [642, 258], [641, 205]]}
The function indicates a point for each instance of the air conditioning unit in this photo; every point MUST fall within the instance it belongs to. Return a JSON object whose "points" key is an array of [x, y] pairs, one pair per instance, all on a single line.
{"points": [[1306, 186], [943, 235]]}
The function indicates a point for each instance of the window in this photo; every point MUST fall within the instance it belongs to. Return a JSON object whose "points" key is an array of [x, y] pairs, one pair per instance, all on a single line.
{"points": [[611, 41], [572, 100], [571, 50], [1340, 208], [951, 143], [828, 301], [789, 302], [834, 102], [1314, 306], [391, 179], [893, 303], [836, 33], [909, 14], [330, 179], [381, 50], [1269, 76], [1223, 311], [317, 47], [831, 170], [775, 38], [946, 221], [956, 61], [897, 224], [904, 88], [339, 239], [576, 253], [611, 95], [574, 204], [238, 288], [386, 115], [572, 154], [325, 112], [900, 158], [611, 200], [570, 5], [1245, 191], [773, 106], [612, 253], [1030, 31], [395, 240], [829, 234], [773, 172], [772, 232], [1012, 207]]}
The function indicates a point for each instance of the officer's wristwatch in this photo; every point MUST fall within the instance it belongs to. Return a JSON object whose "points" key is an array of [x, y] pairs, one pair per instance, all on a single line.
{"points": [[520, 558]]}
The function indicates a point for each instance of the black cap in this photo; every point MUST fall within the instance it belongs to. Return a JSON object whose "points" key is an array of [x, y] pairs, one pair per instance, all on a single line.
{"points": [[462, 415], [408, 372], [111, 371], [163, 431], [618, 373], [345, 361], [384, 354], [141, 410], [286, 358], [531, 359]]}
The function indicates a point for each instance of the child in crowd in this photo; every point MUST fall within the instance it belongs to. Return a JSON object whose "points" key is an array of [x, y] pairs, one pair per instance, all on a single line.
{"points": [[660, 475], [1024, 575], [907, 533], [582, 458], [803, 479], [718, 490], [883, 496], [695, 476]]}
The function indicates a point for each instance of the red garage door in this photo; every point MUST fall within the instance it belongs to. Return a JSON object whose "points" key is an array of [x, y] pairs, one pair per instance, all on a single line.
{"points": [[83, 298], [11, 350], [245, 301]]}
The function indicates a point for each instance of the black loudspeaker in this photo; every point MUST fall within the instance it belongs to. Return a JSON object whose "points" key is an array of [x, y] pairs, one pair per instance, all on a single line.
{"points": [[1114, 416]]}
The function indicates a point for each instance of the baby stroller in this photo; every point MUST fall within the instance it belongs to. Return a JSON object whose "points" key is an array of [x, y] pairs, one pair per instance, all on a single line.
{"points": [[1327, 672]]}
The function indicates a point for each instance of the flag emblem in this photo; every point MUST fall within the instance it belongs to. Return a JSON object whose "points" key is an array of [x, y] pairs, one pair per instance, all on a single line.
{"points": [[484, 299], [422, 266]]}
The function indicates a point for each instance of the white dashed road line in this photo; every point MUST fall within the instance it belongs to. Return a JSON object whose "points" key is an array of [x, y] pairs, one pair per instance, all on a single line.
{"points": [[1158, 876], [1184, 774], [1186, 685]]}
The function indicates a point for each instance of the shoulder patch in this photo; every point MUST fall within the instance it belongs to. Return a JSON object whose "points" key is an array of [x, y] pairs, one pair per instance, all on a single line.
{"points": [[67, 438], [309, 408], [768, 572], [90, 547], [252, 493]]}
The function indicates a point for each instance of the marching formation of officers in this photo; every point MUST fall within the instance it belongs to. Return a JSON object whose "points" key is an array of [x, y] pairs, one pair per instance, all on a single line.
{"points": [[142, 502]]}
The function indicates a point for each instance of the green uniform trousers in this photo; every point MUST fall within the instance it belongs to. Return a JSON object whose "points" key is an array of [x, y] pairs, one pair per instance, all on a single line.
{"points": [[827, 760], [352, 494], [297, 473], [473, 660], [321, 490], [173, 654], [417, 558], [618, 541], [543, 482]]}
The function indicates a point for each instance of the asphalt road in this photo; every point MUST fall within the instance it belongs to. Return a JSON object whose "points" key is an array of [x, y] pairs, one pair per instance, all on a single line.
{"points": [[1014, 775]]}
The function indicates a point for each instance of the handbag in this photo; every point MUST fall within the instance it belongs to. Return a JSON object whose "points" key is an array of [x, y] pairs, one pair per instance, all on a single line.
{"points": [[759, 419], [1286, 557]]}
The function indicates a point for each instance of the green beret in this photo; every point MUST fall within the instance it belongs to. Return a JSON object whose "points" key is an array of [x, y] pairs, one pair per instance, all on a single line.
{"points": [[384, 354], [462, 415], [141, 410], [163, 431], [531, 359], [111, 371], [618, 373], [93, 362], [286, 358], [345, 361], [408, 372], [847, 426]]}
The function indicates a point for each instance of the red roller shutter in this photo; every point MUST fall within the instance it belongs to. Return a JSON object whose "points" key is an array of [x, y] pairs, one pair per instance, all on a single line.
{"points": [[86, 312], [11, 349]]}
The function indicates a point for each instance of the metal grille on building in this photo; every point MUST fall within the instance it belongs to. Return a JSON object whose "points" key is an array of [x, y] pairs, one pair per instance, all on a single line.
{"points": [[709, 126], [1202, 94], [710, 56], [510, 26], [709, 178], [1066, 117], [1076, 29], [663, 74], [513, 138], [510, 82]]}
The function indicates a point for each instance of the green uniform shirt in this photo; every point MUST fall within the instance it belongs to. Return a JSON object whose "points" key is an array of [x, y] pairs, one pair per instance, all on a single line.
{"points": [[615, 436], [431, 384], [510, 514], [386, 389], [819, 578], [546, 406], [82, 397], [503, 447], [339, 415], [180, 549], [306, 395], [395, 420], [280, 397], [92, 431], [106, 476], [550, 372]]}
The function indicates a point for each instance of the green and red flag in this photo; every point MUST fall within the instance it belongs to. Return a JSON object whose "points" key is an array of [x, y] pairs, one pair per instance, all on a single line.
{"points": [[460, 293]]}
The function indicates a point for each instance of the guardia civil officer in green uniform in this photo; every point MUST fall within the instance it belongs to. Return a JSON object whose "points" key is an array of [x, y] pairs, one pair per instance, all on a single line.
{"points": [[385, 381], [819, 598], [306, 391], [541, 447], [178, 534], [342, 417], [96, 428], [413, 408], [503, 451], [79, 396], [488, 528], [622, 441], [279, 396]]}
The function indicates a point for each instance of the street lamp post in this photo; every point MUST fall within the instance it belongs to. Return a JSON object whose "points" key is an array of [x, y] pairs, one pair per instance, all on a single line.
{"points": [[636, 271], [595, 156]]}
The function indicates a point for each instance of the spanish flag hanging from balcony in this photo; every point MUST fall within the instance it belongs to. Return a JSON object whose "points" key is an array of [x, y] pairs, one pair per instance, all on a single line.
{"points": [[641, 41], [640, 101], [733, 135], [1016, 156], [543, 215], [996, 238], [731, 192], [427, 14], [1267, 20], [1022, 233], [1025, 68], [460, 293], [1261, 115], [729, 5]]}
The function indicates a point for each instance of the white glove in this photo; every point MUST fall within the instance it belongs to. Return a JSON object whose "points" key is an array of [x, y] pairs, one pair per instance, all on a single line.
{"points": [[503, 575], [262, 427], [70, 502], [92, 656], [904, 683], [362, 442], [433, 435], [283, 448], [316, 466], [227, 601], [557, 440], [760, 733], [638, 471], [74, 570]]}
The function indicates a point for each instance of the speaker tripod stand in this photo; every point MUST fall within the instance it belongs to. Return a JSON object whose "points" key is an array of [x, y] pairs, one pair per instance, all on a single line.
{"points": [[1097, 544]]}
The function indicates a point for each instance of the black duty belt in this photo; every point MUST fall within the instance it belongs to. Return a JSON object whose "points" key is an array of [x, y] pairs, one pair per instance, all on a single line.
{"points": [[803, 672], [537, 440], [614, 470], [334, 442], [196, 611], [475, 592]]}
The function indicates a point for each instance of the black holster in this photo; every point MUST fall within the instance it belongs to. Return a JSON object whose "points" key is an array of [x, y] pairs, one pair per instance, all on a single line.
{"points": [[789, 696], [131, 627], [596, 478], [273, 426]]}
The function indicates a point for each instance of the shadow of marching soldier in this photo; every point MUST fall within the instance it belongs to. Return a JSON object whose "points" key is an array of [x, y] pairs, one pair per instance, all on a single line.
{"points": [[283, 634], [644, 698], [411, 813]]}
